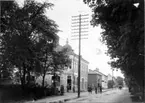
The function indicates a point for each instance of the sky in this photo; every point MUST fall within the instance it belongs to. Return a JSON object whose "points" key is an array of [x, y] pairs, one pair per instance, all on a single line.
{"points": [[92, 49]]}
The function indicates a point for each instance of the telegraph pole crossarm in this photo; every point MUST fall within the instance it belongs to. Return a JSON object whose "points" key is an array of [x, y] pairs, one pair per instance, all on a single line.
{"points": [[77, 25]]}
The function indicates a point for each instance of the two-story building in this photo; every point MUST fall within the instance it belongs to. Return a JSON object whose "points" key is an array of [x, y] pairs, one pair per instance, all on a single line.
{"points": [[104, 81], [95, 77], [68, 78], [71, 74]]}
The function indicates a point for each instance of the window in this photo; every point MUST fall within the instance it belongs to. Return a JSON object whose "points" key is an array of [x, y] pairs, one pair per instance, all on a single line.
{"points": [[70, 66]]}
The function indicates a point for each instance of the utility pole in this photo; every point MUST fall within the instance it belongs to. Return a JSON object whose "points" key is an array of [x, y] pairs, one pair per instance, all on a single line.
{"points": [[112, 78], [79, 62], [73, 60], [79, 33]]}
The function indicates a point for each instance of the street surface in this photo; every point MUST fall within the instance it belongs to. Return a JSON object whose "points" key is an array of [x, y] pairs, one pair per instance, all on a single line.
{"points": [[107, 96], [112, 96], [66, 96]]}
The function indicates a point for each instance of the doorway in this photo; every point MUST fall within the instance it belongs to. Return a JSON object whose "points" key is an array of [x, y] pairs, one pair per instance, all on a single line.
{"points": [[69, 83]]}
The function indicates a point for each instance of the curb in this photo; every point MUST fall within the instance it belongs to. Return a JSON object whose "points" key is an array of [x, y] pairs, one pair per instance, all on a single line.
{"points": [[63, 100], [68, 99]]}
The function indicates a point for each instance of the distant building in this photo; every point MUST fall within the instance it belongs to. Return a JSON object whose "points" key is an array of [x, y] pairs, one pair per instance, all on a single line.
{"points": [[114, 79], [115, 82], [104, 81], [95, 77], [109, 77]]}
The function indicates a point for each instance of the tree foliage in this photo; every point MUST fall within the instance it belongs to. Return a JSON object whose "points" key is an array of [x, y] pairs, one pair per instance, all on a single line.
{"points": [[61, 61], [28, 41], [123, 25], [24, 32]]}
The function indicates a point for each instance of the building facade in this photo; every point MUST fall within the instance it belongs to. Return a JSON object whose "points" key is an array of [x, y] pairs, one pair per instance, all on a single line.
{"points": [[109, 77], [112, 78], [104, 81], [115, 82], [94, 78], [71, 74], [68, 78]]}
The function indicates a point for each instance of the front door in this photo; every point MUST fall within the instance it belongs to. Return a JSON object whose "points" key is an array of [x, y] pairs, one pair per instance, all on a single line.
{"points": [[69, 83]]}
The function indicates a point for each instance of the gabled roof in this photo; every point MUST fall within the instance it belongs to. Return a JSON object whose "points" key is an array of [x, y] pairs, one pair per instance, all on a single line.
{"points": [[95, 72]]}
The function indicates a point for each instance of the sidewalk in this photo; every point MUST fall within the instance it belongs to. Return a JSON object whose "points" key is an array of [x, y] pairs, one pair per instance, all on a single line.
{"points": [[61, 99]]}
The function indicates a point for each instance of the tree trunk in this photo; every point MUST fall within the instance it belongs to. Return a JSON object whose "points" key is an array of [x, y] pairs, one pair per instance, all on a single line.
{"points": [[22, 84], [22, 77], [54, 83], [43, 79], [24, 73], [28, 77], [44, 71]]}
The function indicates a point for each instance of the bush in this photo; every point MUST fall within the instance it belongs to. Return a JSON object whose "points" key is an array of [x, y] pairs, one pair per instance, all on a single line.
{"points": [[35, 91], [11, 92]]}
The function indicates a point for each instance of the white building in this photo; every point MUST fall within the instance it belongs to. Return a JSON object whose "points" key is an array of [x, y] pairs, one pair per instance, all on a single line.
{"points": [[104, 81], [68, 78], [109, 77], [72, 73], [112, 78]]}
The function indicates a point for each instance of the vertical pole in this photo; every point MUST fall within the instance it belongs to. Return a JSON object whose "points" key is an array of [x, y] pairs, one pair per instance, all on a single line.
{"points": [[112, 78], [73, 72], [79, 61]]}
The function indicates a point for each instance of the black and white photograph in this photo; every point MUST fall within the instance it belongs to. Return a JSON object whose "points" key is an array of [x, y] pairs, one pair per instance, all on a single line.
{"points": [[72, 51]]}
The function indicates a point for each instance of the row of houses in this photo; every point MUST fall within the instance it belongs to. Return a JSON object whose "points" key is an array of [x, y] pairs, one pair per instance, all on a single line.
{"points": [[69, 77], [95, 77]]}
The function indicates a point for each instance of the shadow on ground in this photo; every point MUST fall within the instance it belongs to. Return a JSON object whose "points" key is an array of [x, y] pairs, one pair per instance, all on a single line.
{"points": [[137, 98]]}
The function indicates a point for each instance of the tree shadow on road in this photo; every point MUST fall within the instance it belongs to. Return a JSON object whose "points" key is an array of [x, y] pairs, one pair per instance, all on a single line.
{"points": [[137, 98]]}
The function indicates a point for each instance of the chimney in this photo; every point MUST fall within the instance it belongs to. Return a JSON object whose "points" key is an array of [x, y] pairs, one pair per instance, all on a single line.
{"points": [[97, 69]]}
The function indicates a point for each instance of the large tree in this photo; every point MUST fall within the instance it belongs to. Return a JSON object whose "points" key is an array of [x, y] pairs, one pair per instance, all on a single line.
{"points": [[44, 50], [61, 61], [22, 28], [52, 60], [123, 25]]}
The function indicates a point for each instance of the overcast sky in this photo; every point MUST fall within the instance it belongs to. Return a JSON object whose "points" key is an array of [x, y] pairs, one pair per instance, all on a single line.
{"points": [[92, 49]]}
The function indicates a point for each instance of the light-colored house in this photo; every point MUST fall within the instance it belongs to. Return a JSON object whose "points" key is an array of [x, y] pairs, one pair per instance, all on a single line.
{"points": [[112, 78], [104, 81], [70, 75], [109, 77], [115, 82], [68, 78]]}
